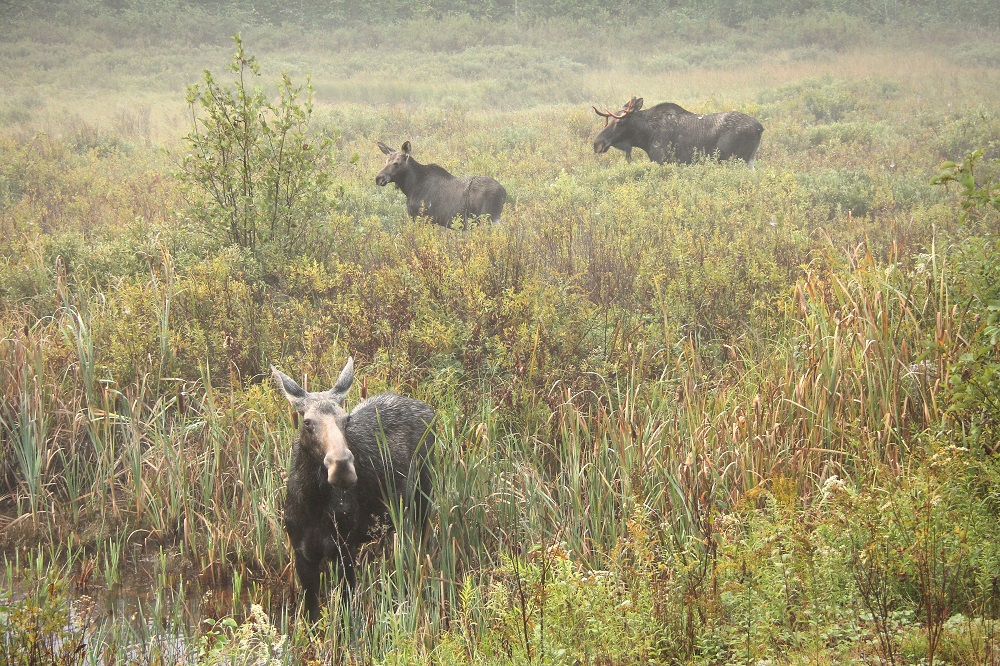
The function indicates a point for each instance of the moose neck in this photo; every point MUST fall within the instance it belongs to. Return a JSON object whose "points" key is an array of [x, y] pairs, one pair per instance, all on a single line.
{"points": [[411, 178], [640, 134]]}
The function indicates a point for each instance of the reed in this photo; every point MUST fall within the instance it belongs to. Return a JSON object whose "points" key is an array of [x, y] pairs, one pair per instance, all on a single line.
{"points": [[672, 400]]}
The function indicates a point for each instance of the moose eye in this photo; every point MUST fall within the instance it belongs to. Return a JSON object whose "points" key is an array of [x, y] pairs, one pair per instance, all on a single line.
{"points": [[308, 424]]}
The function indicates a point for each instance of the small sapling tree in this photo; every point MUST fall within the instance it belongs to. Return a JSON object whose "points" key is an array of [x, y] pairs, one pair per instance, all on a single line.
{"points": [[254, 170], [974, 380]]}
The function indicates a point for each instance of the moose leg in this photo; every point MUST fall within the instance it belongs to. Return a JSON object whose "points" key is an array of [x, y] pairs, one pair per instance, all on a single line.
{"points": [[308, 574], [348, 577]]}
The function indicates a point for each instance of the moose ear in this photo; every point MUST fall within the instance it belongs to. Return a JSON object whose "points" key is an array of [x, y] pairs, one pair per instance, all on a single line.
{"points": [[406, 148], [339, 390], [636, 103], [293, 392], [384, 148]]}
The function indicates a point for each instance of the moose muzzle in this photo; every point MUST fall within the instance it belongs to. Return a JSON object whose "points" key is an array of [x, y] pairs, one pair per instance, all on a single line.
{"points": [[340, 469]]}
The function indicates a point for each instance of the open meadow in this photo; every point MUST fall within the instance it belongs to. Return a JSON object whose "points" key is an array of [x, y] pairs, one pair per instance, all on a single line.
{"points": [[686, 414]]}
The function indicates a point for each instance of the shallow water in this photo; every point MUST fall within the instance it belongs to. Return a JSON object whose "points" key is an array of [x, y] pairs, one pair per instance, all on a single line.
{"points": [[148, 615]]}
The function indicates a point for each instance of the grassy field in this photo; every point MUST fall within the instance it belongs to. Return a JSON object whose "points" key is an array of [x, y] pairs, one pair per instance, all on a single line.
{"points": [[686, 414]]}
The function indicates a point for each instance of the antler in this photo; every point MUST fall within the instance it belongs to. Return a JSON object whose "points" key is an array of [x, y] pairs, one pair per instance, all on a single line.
{"points": [[608, 115]]}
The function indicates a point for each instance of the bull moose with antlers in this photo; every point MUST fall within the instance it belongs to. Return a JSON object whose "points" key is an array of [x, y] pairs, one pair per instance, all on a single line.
{"points": [[669, 133]]}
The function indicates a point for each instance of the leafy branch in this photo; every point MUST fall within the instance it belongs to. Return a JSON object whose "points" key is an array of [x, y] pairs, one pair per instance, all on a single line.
{"points": [[962, 173], [254, 169]]}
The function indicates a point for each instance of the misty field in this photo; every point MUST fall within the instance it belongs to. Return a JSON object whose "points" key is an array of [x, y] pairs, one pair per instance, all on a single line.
{"points": [[697, 414]]}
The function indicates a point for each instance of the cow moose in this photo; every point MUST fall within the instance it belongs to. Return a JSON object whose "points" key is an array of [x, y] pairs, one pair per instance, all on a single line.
{"points": [[669, 133], [433, 192], [346, 469]]}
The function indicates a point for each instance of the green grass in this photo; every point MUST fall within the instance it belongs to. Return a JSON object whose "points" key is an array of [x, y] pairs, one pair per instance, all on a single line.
{"points": [[687, 414]]}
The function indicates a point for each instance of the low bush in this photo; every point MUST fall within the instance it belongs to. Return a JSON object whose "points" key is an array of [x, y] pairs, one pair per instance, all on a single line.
{"points": [[695, 414]]}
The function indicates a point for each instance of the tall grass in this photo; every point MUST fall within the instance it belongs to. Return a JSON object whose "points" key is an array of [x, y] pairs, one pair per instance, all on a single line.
{"points": [[679, 408]]}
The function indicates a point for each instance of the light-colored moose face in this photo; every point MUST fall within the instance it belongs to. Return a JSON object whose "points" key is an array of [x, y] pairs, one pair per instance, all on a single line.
{"points": [[321, 417], [395, 164]]}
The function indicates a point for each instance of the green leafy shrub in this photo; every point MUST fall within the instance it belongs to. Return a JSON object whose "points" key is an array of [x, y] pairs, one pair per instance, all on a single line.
{"points": [[976, 197], [828, 100], [919, 548], [970, 131], [44, 628], [712, 55], [254, 171], [835, 194], [543, 607], [974, 384], [829, 30], [254, 641], [686, 403]]}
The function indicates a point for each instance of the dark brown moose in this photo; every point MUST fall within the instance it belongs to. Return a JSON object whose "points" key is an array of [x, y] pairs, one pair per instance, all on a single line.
{"points": [[669, 133], [433, 192], [346, 469]]}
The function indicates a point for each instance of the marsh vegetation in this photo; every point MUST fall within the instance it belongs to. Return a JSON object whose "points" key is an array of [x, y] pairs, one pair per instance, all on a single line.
{"points": [[685, 413]]}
